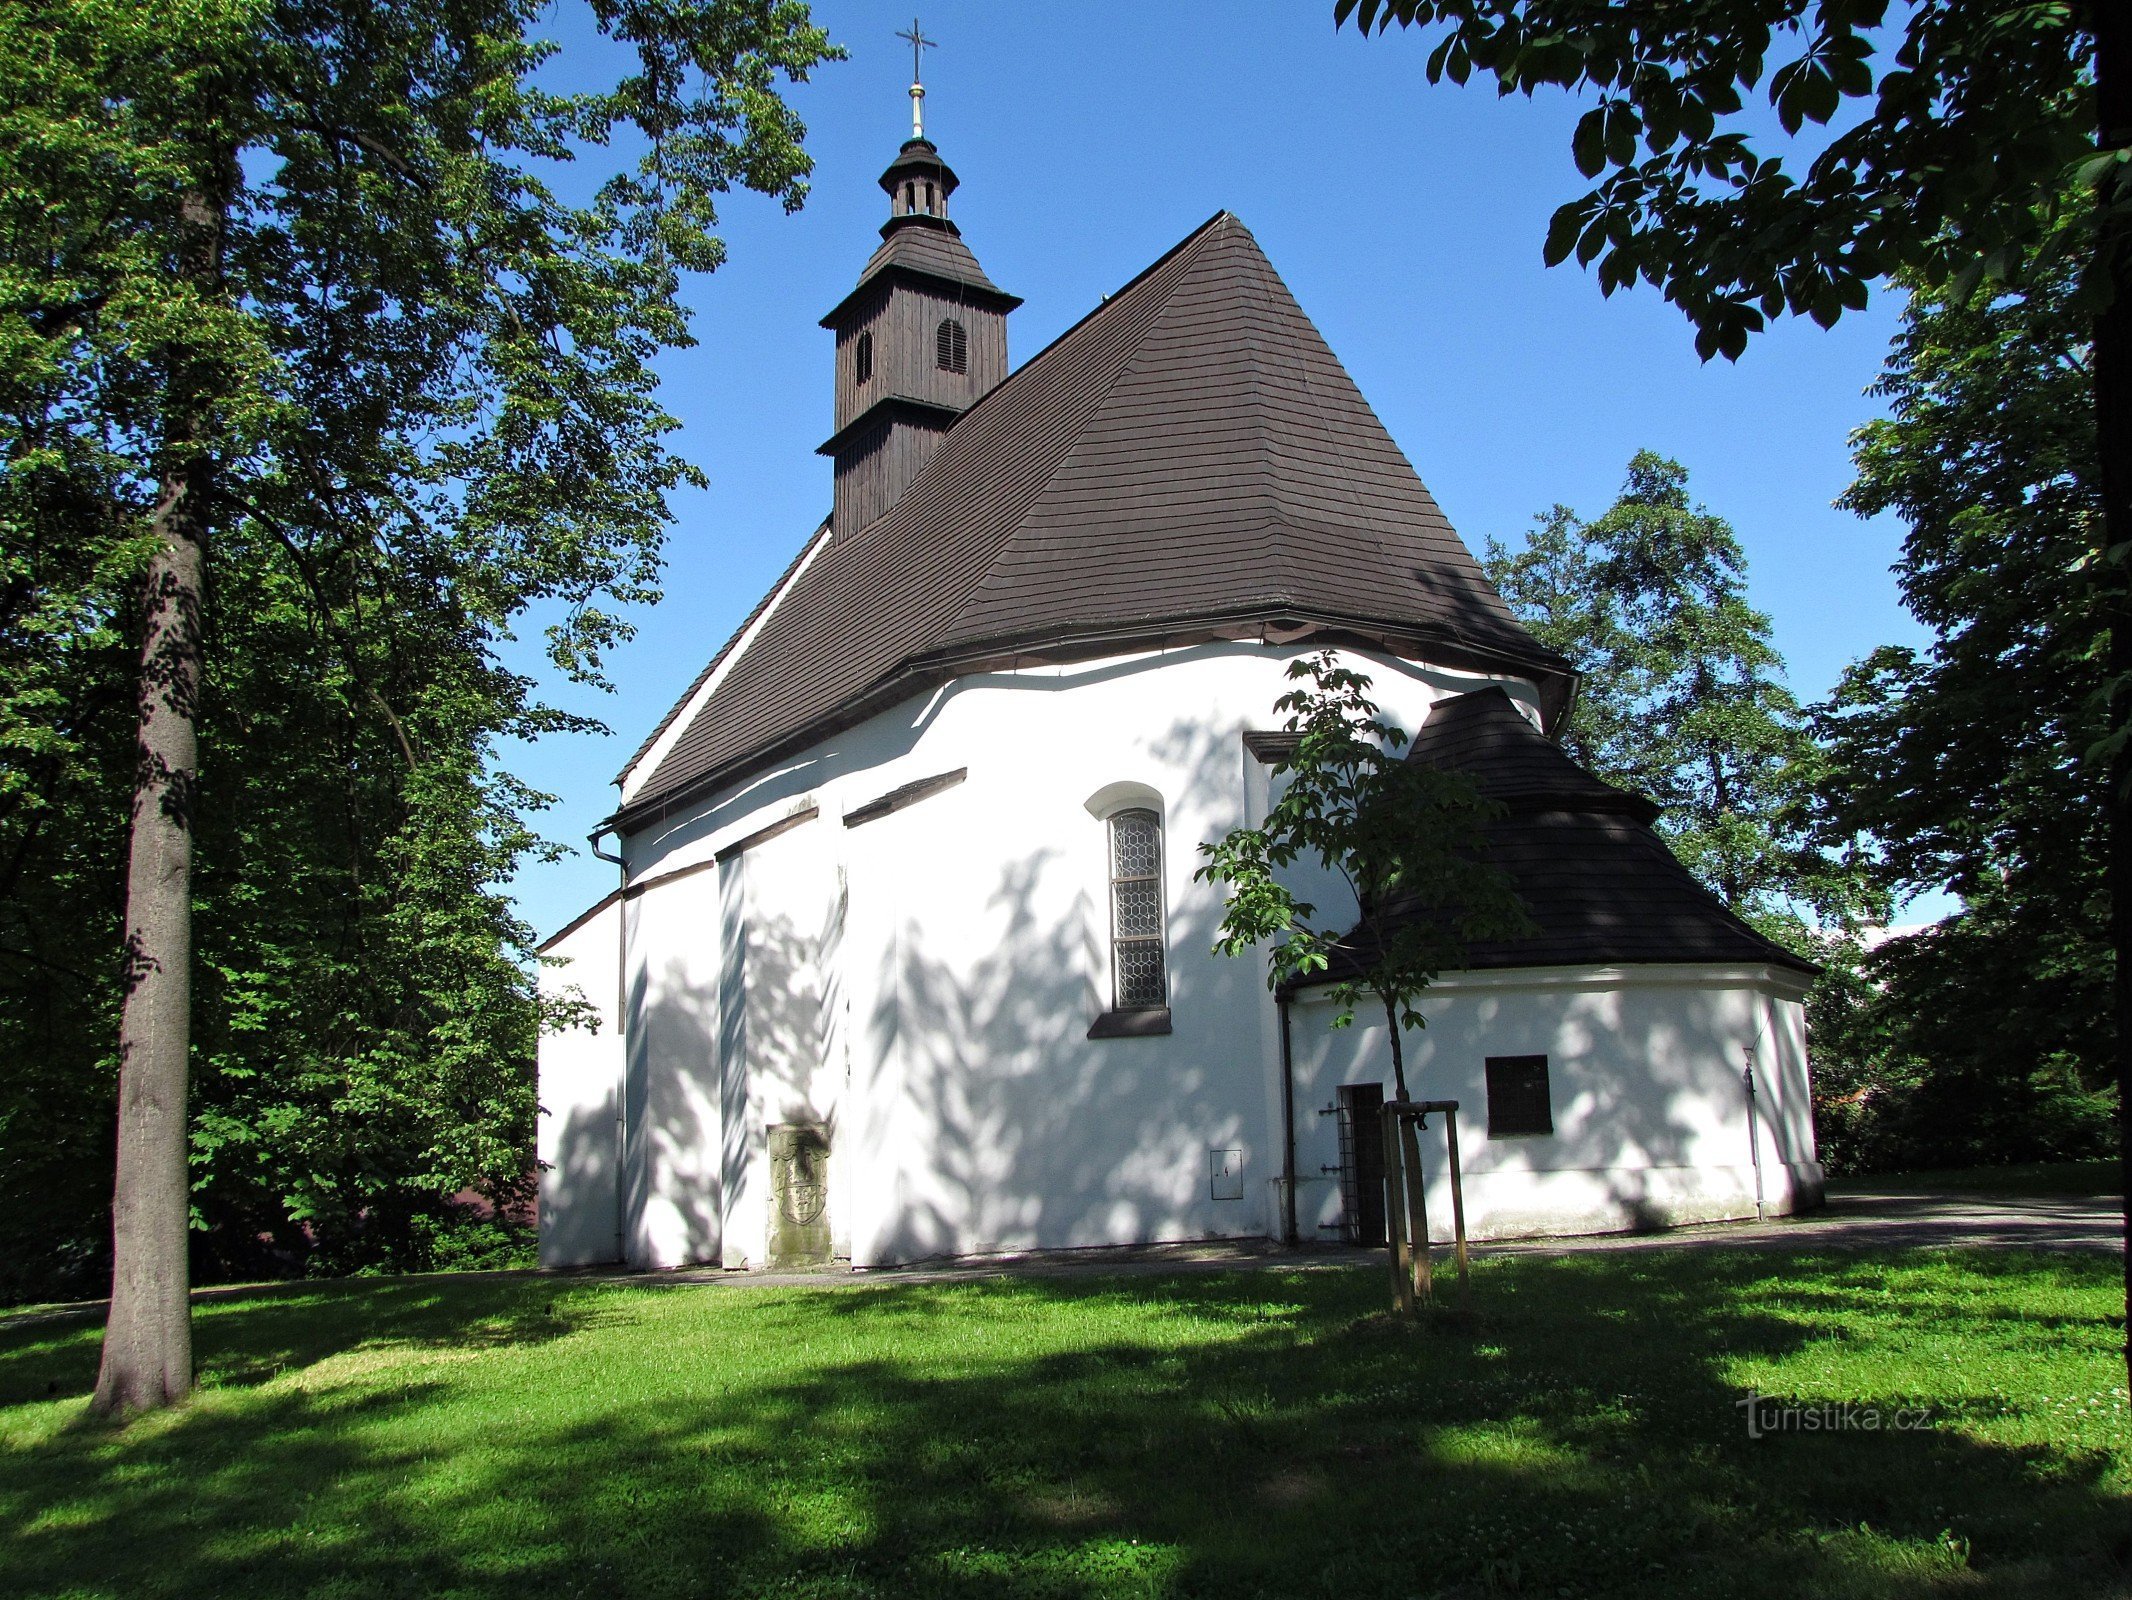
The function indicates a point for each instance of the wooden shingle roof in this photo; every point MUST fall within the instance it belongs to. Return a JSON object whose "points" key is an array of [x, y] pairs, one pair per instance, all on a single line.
{"points": [[1486, 737], [1600, 887], [930, 249], [1188, 461]]}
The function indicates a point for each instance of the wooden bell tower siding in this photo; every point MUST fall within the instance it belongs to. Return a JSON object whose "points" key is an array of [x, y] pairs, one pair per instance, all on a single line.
{"points": [[920, 340]]}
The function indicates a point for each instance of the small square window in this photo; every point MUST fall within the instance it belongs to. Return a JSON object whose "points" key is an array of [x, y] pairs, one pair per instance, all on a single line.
{"points": [[1517, 1096]]}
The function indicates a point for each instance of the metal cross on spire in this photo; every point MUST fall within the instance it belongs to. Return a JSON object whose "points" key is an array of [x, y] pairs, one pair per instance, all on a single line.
{"points": [[918, 43]]}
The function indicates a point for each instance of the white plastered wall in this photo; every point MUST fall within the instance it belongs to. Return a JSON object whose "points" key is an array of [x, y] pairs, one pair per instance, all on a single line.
{"points": [[782, 1047], [671, 1208], [578, 1137], [1645, 1068], [960, 951]]}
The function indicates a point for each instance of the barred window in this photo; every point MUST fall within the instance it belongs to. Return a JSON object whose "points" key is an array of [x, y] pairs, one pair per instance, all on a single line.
{"points": [[1518, 1098], [1138, 981], [862, 359], [951, 346]]}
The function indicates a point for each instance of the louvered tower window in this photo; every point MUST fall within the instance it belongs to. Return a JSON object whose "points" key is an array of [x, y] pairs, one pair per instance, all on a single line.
{"points": [[951, 346], [1137, 977], [862, 359]]}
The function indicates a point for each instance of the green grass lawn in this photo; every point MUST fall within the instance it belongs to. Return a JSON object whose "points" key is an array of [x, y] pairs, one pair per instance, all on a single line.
{"points": [[1234, 1435]]}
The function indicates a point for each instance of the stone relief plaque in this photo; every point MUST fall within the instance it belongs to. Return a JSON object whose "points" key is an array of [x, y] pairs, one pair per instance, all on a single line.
{"points": [[799, 1195]]}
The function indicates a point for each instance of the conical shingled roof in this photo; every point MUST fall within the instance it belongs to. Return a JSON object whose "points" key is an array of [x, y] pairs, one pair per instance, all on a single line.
{"points": [[1600, 888], [1188, 460], [1486, 737]]}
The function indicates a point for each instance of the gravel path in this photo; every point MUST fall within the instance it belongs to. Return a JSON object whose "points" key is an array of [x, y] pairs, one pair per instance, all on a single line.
{"points": [[1892, 1220], [1881, 1221]]}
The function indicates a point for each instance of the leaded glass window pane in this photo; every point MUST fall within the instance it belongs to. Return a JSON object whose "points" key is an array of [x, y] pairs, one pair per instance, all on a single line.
{"points": [[1139, 909], [1138, 979], [1136, 844], [1140, 973]]}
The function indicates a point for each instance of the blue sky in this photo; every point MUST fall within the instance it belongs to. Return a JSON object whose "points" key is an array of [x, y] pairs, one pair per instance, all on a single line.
{"points": [[1406, 219]]}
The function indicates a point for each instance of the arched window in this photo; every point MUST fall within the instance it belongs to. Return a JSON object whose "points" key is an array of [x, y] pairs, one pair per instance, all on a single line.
{"points": [[862, 358], [951, 346], [1138, 979]]}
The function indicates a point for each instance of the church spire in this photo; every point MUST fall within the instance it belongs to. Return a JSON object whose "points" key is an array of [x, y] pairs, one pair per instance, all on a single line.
{"points": [[920, 340], [918, 181], [918, 42]]}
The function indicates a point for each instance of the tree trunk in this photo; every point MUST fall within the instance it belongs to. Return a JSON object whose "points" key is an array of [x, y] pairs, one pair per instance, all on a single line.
{"points": [[2113, 419], [147, 1355], [1399, 1060], [1409, 1153]]}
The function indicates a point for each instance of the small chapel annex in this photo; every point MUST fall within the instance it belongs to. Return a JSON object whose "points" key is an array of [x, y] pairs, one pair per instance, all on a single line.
{"points": [[908, 959]]}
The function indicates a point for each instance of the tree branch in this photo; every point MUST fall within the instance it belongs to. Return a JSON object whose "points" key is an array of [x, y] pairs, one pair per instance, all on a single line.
{"points": [[332, 625]]}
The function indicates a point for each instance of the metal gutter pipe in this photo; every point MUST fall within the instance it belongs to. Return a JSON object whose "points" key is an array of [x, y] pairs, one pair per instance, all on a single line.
{"points": [[1288, 1235], [621, 1032]]}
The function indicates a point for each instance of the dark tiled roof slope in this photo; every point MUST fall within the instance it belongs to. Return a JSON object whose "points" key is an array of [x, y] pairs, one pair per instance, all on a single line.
{"points": [[1485, 736], [1599, 886], [1190, 452], [1603, 888]]}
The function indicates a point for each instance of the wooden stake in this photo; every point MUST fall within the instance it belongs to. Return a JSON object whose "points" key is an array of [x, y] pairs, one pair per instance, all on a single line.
{"points": [[1417, 1206], [1395, 1220], [1458, 1205]]}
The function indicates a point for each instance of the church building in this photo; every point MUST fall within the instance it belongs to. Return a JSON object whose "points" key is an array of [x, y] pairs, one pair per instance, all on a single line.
{"points": [[908, 959]]}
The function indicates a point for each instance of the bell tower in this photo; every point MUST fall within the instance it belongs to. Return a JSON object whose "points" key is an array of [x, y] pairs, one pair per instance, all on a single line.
{"points": [[921, 339]]}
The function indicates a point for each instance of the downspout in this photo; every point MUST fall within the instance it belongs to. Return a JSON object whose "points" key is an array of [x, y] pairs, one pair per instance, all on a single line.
{"points": [[1754, 1136], [621, 1030], [1287, 1130]]}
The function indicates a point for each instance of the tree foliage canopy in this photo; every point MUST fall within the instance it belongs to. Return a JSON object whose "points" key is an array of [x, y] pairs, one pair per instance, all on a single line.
{"points": [[424, 377], [1945, 135], [1968, 763], [1971, 765], [1682, 696]]}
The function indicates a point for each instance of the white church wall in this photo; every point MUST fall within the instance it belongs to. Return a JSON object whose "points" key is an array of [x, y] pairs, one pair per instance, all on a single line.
{"points": [[974, 958], [1000, 1124], [923, 985], [578, 1135], [1645, 1075], [781, 1049], [1784, 1088], [672, 1211]]}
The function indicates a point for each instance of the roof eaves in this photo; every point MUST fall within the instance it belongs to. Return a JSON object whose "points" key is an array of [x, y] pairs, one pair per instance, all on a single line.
{"points": [[972, 291], [923, 670], [903, 406], [577, 922]]}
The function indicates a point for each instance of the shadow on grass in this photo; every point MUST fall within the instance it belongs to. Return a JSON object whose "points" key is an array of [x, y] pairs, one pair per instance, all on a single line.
{"points": [[1234, 1436], [246, 1338]]}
